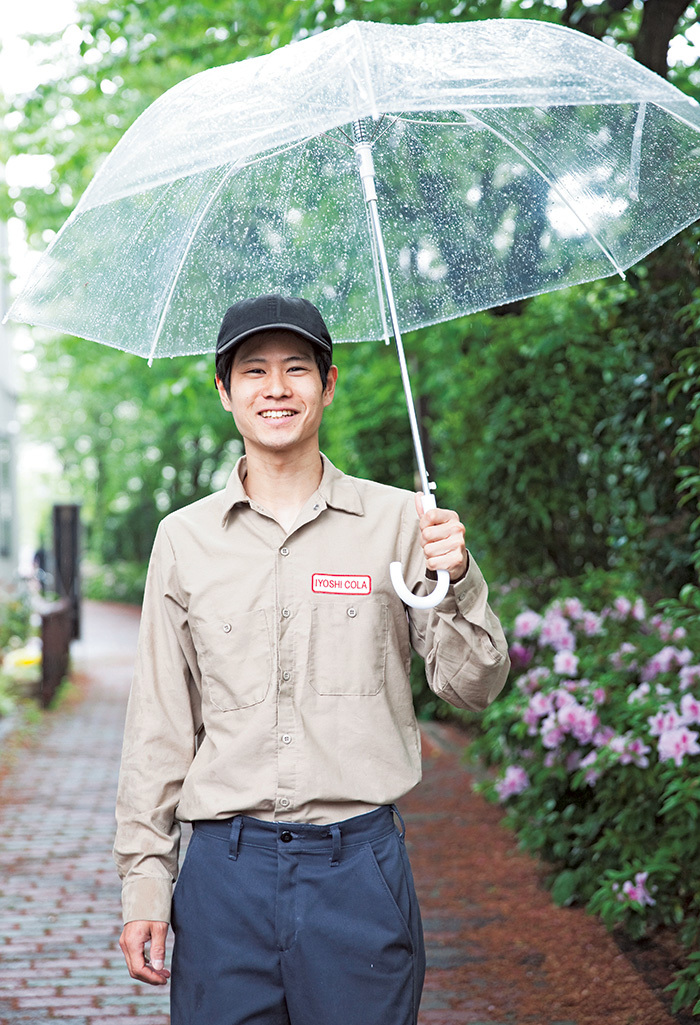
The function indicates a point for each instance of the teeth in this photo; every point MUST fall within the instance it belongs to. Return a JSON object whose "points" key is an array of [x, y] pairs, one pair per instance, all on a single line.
{"points": [[277, 414]]}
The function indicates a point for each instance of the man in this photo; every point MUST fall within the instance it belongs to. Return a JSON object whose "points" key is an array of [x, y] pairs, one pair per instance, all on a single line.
{"points": [[271, 707]]}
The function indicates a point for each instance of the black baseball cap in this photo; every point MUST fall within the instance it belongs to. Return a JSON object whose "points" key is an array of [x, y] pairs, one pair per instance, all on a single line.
{"points": [[268, 313]]}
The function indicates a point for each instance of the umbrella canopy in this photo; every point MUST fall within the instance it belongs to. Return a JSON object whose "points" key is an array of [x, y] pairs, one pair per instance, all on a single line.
{"points": [[512, 157]]}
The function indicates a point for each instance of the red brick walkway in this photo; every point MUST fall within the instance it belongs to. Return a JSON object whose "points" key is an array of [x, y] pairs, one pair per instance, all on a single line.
{"points": [[498, 952]]}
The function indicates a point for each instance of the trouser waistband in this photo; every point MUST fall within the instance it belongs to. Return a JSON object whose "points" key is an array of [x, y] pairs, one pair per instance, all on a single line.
{"points": [[302, 837]]}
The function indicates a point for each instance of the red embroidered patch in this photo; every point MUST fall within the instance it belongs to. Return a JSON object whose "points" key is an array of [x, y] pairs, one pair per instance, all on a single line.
{"points": [[340, 583]]}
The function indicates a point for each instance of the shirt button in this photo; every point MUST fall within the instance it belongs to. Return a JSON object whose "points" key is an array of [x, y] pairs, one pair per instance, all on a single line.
{"points": [[284, 802], [286, 675], [284, 551], [286, 739], [285, 614], [286, 836], [227, 628], [352, 613]]}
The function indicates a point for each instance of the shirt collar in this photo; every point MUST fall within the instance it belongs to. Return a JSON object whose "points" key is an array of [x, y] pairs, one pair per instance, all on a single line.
{"points": [[336, 490]]}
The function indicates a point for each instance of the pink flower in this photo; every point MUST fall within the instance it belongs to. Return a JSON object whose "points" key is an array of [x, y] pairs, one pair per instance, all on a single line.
{"points": [[663, 661], [690, 710], [592, 775], [637, 890], [592, 624], [679, 633], [638, 694], [573, 608], [526, 624], [520, 656], [541, 704], [639, 610], [556, 634], [551, 732], [514, 781], [531, 681], [565, 663], [621, 608], [662, 627], [578, 721], [688, 675], [603, 736], [675, 744], [638, 752], [632, 750], [618, 659], [563, 696], [667, 718], [599, 695]]}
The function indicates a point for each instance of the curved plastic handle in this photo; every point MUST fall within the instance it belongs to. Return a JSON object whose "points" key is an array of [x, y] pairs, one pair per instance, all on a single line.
{"points": [[417, 601]]}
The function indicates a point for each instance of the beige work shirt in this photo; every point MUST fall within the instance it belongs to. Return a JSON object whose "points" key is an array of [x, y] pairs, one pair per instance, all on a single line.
{"points": [[292, 650]]}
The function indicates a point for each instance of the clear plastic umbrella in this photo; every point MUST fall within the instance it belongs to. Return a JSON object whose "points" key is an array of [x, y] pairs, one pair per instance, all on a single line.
{"points": [[497, 160]]}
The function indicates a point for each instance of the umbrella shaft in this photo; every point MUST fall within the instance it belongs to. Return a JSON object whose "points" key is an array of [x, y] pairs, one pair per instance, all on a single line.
{"points": [[366, 167]]}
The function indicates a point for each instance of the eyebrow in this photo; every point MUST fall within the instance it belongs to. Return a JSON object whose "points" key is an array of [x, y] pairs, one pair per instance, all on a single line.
{"points": [[302, 357]]}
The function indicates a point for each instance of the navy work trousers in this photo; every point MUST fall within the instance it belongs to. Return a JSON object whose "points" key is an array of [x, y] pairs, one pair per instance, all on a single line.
{"points": [[295, 924]]}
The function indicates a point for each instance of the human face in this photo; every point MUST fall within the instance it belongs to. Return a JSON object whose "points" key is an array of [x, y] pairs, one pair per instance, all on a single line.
{"points": [[276, 396]]}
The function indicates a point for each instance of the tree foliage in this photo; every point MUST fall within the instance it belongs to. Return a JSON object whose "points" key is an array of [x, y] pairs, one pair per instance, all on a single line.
{"points": [[550, 422]]}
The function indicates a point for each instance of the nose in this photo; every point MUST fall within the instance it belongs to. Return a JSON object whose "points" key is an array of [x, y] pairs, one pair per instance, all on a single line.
{"points": [[276, 384]]}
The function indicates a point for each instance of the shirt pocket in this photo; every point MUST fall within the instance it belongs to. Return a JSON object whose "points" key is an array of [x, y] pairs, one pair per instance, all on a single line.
{"points": [[235, 657], [348, 647]]}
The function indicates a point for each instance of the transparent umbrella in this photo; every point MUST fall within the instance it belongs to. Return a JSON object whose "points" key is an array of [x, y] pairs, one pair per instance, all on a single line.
{"points": [[496, 160]]}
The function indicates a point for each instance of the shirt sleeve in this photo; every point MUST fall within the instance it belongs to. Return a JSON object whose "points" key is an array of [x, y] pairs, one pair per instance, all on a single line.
{"points": [[159, 745], [461, 639]]}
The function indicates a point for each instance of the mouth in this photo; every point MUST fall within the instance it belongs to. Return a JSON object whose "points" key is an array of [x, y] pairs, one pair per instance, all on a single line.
{"points": [[277, 414]]}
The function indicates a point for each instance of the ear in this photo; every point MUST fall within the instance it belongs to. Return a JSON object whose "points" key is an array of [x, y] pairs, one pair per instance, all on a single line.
{"points": [[223, 395], [331, 381]]}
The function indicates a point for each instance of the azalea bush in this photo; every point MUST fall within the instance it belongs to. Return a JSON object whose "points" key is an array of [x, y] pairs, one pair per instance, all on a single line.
{"points": [[597, 746]]}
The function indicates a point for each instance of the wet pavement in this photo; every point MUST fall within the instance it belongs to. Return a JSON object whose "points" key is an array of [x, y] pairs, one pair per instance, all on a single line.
{"points": [[498, 951]]}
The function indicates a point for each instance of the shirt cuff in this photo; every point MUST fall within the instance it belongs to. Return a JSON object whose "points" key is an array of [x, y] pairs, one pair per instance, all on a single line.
{"points": [[147, 899], [470, 588]]}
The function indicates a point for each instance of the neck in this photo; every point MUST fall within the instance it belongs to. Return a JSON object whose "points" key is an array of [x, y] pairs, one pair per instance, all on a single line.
{"points": [[283, 483]]}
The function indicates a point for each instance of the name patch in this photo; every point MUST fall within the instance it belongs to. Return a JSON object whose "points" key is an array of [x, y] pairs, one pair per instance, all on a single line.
{"points": [[340, 583]]}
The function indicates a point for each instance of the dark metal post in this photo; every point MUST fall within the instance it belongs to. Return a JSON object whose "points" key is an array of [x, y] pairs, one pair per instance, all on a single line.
{"points": [[66, 547]]}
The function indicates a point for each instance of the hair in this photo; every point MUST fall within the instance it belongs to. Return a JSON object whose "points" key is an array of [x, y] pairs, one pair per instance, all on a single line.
{"points": [[224, 362]]}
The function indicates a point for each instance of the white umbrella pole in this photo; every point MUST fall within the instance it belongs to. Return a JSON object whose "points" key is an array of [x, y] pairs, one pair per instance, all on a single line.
{"points": [[365, 161]]}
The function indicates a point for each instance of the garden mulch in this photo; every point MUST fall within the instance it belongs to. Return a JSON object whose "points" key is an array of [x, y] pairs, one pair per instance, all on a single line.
{"points": [[499, 951]]}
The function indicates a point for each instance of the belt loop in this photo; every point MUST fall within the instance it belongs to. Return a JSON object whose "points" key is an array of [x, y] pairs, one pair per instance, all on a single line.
{"points": [[335, 852], [396, 812], [234, 837]]}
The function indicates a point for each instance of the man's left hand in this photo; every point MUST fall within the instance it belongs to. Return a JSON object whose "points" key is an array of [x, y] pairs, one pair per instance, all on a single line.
{"points": [[442, 537]]}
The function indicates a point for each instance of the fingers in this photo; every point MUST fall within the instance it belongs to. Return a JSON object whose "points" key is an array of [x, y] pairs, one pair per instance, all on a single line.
{"points": [[442, 538], [133, 940]]}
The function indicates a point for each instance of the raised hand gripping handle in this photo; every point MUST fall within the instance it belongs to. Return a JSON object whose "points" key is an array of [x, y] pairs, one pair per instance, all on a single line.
{"points": [[417, 601]]}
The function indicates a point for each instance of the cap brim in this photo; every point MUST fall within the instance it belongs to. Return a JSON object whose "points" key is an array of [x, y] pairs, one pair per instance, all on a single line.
{"points": [[276, 326]]}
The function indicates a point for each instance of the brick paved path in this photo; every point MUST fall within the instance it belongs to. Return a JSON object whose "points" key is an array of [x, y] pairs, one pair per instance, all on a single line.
{"points": [[498, 952], [59, 894]]}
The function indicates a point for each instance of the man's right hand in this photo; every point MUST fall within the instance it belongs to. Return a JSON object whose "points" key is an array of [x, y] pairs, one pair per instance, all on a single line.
{"points": [[133, 940]]}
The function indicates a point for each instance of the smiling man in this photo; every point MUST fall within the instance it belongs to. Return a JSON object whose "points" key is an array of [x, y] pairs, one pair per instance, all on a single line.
{"points": [[271, 707]]}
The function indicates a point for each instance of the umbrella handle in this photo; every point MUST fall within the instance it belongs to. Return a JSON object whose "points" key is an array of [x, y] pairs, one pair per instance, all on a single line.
{"points": [[417, 601]]}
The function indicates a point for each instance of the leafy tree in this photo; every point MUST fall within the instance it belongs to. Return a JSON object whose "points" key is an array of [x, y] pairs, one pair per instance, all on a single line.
{"points": [[547, 418]]}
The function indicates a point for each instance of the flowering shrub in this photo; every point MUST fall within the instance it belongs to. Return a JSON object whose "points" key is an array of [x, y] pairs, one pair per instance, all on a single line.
{"points": [[597, 743]]}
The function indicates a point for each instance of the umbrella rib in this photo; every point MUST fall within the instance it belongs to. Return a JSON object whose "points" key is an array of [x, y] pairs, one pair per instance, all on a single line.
{"points": [[166, 307], [562, 195]]}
